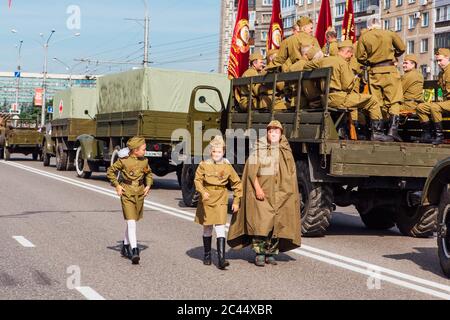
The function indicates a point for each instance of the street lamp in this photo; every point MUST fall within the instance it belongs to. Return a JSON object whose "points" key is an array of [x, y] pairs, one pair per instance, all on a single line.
{"points": [[68, 68], [44, 89], [19, 46]]}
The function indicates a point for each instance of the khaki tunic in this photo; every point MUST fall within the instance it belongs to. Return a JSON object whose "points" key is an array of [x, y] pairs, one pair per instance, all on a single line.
{"points": [[379, 46], [213, 178], [330, 49], [412, 84], [290, 48], [134, 170], [244, 91], [278, 215], [437, 108], [342, 87]]}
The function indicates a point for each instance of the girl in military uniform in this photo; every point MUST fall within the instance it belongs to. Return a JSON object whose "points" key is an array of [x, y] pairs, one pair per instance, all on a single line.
{"points": [[211, 180], [134, 187]]}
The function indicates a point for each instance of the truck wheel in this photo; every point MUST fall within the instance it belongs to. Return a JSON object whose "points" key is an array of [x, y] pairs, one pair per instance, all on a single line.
{"points": [[190, 195], [61, 159], [45, 156], [6, 154], [1, 153], [316, 203], [416, 222], [35, 155], [70, 161], [444, 232], [79, 165], [378, 218], [179, 173]]}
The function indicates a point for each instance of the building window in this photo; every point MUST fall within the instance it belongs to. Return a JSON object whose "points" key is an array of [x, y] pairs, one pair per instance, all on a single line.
{"points": [[266, 18], [410, 47], [387, 24], [423, 45], [263, 52], [411, 1], [301, 2], [339, 31], [398, 24], [309, 1], [340, 9], [267, 2], [411, 22], [264, 35], [387, 4], [425, 19], [399, 3]]}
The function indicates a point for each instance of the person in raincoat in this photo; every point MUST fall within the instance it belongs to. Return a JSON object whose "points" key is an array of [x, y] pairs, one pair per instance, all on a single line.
{"points": [[269, 216]]}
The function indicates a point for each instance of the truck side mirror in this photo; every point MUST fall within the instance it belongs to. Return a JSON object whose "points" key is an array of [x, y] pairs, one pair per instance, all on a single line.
{"points": [[202, 99]]}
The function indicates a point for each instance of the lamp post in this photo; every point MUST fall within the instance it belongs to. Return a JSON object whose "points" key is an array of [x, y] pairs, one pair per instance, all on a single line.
{"points": [[18, 70], [68, 68], [44, 81]]}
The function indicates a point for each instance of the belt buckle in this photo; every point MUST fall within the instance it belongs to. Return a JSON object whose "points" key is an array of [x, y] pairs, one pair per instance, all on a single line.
{"points": [[135, 183]]}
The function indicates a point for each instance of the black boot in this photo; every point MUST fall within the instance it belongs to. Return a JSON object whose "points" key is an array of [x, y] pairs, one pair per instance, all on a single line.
{"points": [[125, 250], [439, 133], [221, 253], [135, 256], [377, 132], [360, 131], [426, 136], [207, 246], [393, 128]]}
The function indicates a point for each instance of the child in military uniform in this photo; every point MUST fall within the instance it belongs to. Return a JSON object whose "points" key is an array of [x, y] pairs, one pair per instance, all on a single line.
{"points": [[137, 180], [211, 180]]}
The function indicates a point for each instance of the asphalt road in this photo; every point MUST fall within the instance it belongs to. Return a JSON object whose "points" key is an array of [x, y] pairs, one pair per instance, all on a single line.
{"points": [[60, 239]]}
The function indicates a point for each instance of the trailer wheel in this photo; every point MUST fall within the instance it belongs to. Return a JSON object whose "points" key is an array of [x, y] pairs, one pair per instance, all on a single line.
{"points": [[79, 164], [416, 222], [6, 154], [444, 232], [377, 218], [316, 203], [61, 159], [190, 195]]}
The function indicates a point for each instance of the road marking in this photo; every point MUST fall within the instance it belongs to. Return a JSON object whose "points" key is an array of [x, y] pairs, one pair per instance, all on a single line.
{"points": [[374, 271], [24, 242], [89, 293]]}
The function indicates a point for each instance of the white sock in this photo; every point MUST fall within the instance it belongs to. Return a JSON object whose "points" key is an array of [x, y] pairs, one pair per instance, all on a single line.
{"points": [[207, 231], [126, 239], [220, 231], [132, 233]]}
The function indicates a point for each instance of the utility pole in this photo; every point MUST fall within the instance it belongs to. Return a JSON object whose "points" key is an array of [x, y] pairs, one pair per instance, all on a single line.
{"points": [[18, 77], [44, 84], [146, 20]]}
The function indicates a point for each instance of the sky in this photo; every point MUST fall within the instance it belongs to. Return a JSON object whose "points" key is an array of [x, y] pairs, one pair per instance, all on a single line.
{"points": [[183, 34]]}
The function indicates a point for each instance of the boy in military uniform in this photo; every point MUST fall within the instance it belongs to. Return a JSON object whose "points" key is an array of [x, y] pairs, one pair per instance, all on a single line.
{"points": [[256, 69], [211, 180], [135, 186]]}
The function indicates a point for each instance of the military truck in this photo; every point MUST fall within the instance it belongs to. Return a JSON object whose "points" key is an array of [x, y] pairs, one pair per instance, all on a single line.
{"points": [[69, 122], [19, 136], [436, 196], [382, 180], [152, 103]]}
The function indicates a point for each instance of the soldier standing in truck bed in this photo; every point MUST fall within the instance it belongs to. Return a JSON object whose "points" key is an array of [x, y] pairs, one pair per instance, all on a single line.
{"points": [[377, 49]]}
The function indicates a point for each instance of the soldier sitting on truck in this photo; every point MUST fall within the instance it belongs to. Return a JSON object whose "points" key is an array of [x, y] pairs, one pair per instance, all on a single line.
{"points": [[342, 94], [256, 69], [435, 109], [266, 91]]}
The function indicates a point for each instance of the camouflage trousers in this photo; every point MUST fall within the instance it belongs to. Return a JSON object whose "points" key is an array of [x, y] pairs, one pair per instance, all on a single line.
{"points": [[265, 245]]}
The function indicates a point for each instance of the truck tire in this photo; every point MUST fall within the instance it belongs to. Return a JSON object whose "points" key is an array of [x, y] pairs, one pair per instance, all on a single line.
{"points": [[377, 218], [1, 154], [190, 195], [61, 159], [416, 222], [70, 161], [35, 155], [179, 173], [45, 156], [6, 154], [79, 165], [316, 203], [444, 232]]}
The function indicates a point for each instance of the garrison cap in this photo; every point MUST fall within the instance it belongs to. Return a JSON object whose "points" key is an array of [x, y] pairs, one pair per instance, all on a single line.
{"points": [[304, 21], [217, 142], [345, 44], [275, 124], [256, 56], [135, 142], [411, 57], [443, 52]]}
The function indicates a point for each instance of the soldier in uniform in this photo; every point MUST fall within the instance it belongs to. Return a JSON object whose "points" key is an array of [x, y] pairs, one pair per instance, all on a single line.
{"points": [[266, 92], [290, 48], [331, 47], [342, 89], [211, 180], [412, 84], [435, 109], [256, 69], [134, 187], [377, 49]]}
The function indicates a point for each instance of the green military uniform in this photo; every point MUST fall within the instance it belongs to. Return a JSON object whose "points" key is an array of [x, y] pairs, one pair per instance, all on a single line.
{"points": [[243, 93], [266, 93], [213, 178], [412, 84], [378, 49], [136, 174], [331, 48]]}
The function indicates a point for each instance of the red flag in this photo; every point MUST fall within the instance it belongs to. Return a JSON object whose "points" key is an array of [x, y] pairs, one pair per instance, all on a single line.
{"points": [[348, 24], [240, 46], [9, 3], [324, 22], [276, 33]]}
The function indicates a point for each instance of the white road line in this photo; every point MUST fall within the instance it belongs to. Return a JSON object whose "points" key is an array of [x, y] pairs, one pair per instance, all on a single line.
{"points": [[89, 293], [351, 264], [24, 242]]}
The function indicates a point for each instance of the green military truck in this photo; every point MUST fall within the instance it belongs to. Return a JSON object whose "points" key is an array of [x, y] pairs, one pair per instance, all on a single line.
{"points": [[69, 122], [436, 196], [382, 180], [19, 136], [152, 103]]}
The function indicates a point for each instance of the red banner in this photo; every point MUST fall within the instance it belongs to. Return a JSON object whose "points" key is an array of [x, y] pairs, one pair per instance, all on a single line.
{"points": [[9, 3], [348, 24], [240, 46], [276, 33], [38, 97], [324, 22]]}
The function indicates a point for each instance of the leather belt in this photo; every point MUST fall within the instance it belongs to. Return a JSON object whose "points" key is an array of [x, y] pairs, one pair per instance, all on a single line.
{"points": [[136, 183], [212, 187], [382, 64]]}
